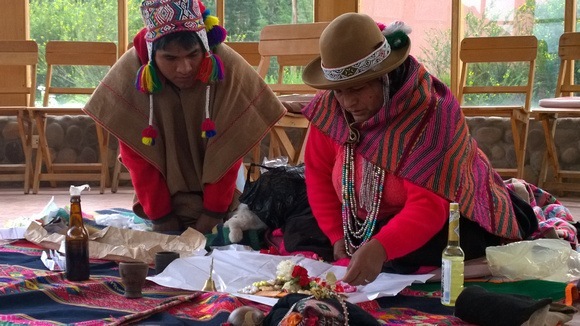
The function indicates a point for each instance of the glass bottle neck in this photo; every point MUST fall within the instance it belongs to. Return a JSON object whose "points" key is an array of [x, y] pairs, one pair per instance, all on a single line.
{"points": [[76, 215], [453, 235]]}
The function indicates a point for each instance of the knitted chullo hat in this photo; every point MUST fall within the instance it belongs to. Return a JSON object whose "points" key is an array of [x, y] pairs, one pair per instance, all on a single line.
{"points": [[163, 17]]}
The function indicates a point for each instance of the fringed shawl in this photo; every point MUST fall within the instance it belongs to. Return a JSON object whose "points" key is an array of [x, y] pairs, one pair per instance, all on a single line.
{"points": [[242, 106], [422, 136]]}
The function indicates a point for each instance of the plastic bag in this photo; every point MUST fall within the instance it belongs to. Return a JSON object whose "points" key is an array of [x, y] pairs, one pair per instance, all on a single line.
{"points": [[278, 193], [544, 259]]}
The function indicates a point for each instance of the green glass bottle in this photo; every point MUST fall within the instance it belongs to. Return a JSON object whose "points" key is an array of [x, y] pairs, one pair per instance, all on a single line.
{"points": [[452, 268]]}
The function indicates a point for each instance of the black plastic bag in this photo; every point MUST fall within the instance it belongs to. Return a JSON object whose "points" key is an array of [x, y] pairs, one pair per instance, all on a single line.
{"points": [[278, 193]]}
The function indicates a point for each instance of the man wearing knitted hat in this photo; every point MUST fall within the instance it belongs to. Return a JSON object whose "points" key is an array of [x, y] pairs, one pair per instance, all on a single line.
{"points": [[186, 109]]}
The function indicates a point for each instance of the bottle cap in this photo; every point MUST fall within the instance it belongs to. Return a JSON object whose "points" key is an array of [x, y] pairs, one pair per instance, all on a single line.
{"points": [[76, 190], [453, 206]]}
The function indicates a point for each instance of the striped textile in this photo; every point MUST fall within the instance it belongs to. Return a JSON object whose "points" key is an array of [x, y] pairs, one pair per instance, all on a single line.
{"points": [[422, 136]]}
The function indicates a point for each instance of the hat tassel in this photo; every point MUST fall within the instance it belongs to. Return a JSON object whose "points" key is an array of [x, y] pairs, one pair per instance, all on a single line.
{"points": [[207, 126], [149, 134], [211, 69], [147, 80]]}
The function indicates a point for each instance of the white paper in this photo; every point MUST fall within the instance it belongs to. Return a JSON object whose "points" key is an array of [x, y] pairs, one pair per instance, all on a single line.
{"points": [[53, 260], [238, 269], [13, 233]]}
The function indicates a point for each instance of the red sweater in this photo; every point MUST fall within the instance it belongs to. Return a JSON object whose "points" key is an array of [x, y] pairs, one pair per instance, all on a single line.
{"points": [[416, 214], [153, 193]]}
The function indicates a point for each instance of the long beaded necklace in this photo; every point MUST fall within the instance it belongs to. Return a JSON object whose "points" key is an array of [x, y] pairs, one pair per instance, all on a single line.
{"points": [[357, 232]]}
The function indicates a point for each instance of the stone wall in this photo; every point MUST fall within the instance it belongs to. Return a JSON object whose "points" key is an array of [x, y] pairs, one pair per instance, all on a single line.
{"points": [[73, 139]]}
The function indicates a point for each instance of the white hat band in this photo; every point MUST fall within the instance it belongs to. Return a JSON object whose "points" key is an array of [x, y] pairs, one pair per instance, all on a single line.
{"points": [[361, 66]]}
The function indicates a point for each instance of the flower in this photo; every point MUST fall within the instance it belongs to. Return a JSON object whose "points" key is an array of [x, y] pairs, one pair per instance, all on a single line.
{"points": [[300, 275], [293, 278]]}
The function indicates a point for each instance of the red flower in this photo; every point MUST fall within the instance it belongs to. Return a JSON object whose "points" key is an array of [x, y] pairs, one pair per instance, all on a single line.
{"points": [[301, 274]]}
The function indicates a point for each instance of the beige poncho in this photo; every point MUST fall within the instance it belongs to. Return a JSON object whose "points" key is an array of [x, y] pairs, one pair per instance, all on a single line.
{"points": [[242, 106]]}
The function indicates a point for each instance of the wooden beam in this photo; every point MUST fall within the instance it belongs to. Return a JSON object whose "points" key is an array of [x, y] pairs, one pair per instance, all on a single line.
{"points": [[570, 16], [123, 27], [456, 37], [327, 10]]}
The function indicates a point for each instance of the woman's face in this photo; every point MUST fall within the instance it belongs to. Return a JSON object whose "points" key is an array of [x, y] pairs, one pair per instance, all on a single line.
{"points": [[179, 65], [361, 101]]}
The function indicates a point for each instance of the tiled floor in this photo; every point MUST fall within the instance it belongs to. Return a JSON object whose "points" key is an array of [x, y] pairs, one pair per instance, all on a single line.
{"points": [[15, 204]]}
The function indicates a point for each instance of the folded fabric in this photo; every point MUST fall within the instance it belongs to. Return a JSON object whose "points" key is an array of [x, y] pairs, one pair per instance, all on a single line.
{"points": [[478, 306]]}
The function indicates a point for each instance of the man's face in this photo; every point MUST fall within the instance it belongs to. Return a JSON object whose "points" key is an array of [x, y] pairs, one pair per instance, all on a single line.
{"points": [[179, 65]]}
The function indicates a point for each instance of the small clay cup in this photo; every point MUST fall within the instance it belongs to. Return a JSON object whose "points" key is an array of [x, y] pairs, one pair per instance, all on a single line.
{"points": [[164, 258], [133, 276]]}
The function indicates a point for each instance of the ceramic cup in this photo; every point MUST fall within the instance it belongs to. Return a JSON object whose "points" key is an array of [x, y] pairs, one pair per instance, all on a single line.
{"points": [[164, 258], [133, 276]]}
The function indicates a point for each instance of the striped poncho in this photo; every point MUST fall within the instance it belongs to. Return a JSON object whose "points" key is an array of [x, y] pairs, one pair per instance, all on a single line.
{"points": [[422, 136]]}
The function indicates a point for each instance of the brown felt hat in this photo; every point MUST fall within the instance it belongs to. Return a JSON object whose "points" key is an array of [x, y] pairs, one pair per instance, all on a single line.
{"points": [[353, 50]]}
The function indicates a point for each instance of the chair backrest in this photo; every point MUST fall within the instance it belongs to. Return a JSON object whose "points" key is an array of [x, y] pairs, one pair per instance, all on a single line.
{"points": [[292, 45], [569, 51], [248, 50], [74, 53], [500, 49], [20, 54]]}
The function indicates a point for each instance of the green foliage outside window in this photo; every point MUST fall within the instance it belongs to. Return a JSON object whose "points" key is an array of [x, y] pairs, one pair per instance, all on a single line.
{"points": [[545, 20], [96, 20]]}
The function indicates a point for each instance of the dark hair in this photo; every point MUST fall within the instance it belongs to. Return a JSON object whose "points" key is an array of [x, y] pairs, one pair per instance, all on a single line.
{"points": [[185, 39]]}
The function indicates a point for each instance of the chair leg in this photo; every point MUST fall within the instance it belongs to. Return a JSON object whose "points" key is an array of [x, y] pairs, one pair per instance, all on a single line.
{"points": [[549, 126], [520, 132], [102, 137], [116, 173], [25, 132]]}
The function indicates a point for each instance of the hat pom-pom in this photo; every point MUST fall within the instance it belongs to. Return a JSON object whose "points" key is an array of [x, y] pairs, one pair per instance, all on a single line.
{"points": [[207, 128], [201, 6], [148, 136], [216, 35], [210, 21], [398, 40], [147, 80]]}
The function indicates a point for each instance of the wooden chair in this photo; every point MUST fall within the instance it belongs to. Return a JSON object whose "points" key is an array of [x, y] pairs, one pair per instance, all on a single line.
{"points": [[71, 53], [293, 46], [498, 50], [564, 105], [17, 94], [248, 50]]}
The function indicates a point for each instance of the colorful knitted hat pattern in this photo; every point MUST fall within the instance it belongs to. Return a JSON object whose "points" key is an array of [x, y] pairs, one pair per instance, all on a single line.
{"points": [[163, 17]]}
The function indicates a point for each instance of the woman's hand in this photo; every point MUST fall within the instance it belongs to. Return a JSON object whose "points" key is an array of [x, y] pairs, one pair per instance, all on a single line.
{"points": [[340, 250], [366, 263]]}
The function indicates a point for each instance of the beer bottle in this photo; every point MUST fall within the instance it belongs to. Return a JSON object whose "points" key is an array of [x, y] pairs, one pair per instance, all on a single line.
{"points": [[76, 240], [452, 267]]}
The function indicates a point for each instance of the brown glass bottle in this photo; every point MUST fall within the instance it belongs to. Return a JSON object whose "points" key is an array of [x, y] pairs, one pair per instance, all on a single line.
{"points": [[77, 244]]}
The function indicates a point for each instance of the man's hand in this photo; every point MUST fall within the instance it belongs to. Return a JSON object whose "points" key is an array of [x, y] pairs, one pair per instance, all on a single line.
{"points": [[206, 223], [366, 263]]}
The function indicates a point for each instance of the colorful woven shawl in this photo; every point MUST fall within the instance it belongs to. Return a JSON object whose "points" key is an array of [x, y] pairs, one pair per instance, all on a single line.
{"points": [[422, 136]]}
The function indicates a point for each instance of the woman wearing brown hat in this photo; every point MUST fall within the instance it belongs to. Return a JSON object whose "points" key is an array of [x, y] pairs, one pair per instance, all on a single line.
{"points": [[186, 109], [388, 150]]}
